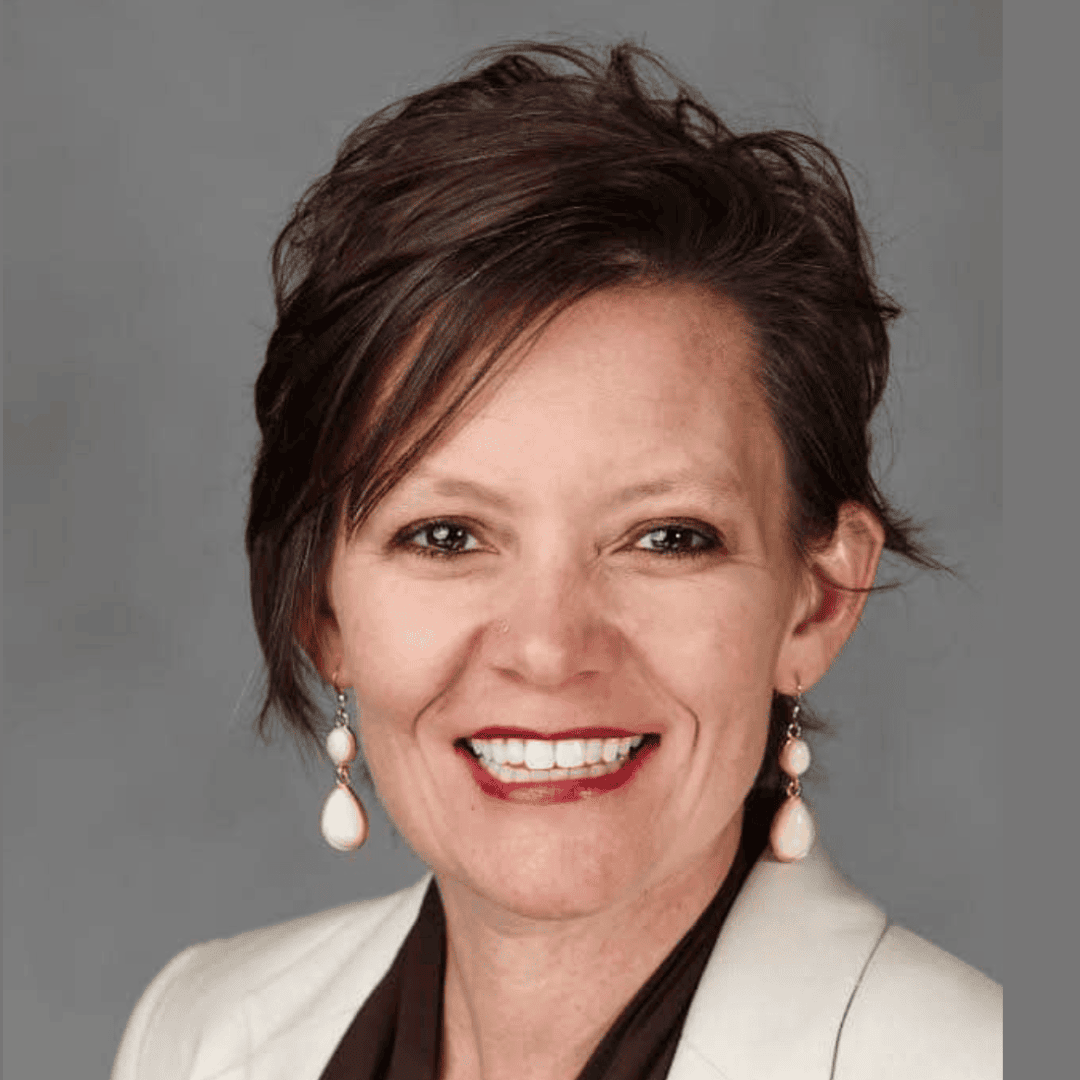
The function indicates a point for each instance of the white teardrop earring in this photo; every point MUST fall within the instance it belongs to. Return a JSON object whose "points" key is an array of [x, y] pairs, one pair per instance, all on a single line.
{"points": [[344, 822], [792, 833]]}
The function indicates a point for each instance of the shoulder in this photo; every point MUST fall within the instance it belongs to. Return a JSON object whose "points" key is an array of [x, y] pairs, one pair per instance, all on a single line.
{"points": [[214, 1003], [919, 1011], [808, 978]]}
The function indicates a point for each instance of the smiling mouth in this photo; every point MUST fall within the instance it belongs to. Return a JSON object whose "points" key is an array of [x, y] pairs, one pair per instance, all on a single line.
{"points": [[532, 761]]}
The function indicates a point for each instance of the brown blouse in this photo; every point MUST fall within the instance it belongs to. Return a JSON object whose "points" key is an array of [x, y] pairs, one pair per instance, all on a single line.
{"points": [[397, 1033]]}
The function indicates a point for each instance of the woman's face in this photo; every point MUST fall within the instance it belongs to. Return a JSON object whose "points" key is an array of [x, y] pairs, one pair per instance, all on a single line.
{"points": [[598, 551]]}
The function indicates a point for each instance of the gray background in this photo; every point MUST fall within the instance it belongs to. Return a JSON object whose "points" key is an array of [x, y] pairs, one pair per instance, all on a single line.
{"points": [[153, 150]]}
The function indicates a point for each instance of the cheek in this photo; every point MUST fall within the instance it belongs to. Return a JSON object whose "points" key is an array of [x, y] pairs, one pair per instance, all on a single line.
{"points": [[717, 655], [717, 644], [400, 648]]}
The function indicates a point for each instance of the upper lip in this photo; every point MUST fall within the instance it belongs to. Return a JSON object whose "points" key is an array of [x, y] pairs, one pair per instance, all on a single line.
{"points": [[503, 732]]}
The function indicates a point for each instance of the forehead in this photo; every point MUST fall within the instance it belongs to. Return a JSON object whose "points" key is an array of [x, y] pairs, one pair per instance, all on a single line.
{"points": [[654, 346], [622, 387]]}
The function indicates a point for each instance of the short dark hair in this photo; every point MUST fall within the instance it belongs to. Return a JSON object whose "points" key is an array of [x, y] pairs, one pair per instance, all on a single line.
{"points": [[456, 220]]}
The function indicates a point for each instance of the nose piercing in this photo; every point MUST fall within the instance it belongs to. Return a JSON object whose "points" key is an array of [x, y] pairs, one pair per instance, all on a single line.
{"points": [[503, 626]]}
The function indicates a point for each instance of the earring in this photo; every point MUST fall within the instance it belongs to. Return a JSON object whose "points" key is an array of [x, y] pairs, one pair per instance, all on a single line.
{"points": [[344, 822], [792, 833]]}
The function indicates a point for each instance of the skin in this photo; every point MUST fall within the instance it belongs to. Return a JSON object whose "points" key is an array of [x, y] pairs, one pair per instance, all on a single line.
{"points": [[566, 609]]}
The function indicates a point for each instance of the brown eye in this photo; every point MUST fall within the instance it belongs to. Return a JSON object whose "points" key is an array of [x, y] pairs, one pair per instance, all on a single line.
{"points": [[677, 541], [440, 539]]}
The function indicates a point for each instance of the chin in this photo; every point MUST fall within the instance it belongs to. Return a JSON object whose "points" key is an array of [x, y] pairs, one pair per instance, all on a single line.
{"points": [[551, 899], [559, 884]]}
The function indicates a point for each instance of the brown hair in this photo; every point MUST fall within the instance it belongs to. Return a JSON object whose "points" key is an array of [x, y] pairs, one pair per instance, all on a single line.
{"points": [[482, 208]]}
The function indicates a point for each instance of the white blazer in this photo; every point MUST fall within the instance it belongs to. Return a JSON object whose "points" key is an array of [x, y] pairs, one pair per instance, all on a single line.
{"points": [[807, 981]]}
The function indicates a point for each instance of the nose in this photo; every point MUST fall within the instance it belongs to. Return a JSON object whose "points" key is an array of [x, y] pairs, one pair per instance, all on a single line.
{"points": [[554, 631]]}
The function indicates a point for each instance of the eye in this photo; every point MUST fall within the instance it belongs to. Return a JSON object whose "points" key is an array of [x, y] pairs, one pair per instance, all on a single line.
{"points": [[679, 541], [438, 539]]}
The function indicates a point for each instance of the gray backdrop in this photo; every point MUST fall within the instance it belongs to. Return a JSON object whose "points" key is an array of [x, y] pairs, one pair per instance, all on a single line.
{"points": [[153, 150]]}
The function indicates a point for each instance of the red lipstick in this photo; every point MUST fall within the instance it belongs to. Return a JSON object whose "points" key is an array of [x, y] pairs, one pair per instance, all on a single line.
{"points": [[569, 733], [549, 792]]}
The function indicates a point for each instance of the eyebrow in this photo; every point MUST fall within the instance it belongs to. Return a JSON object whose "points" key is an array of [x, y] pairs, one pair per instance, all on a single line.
{"points": [[453, 488], [723, 487]]}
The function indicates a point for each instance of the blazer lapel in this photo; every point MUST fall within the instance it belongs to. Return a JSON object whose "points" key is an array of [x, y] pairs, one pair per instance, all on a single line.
{"points": [[296, 1043], [773, 996]]}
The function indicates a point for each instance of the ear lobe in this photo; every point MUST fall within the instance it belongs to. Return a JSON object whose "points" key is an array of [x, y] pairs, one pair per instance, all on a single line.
{"points": [[844, 570], [320, 638]]}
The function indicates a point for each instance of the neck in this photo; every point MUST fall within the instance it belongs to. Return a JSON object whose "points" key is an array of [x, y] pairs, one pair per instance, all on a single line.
{"points": [[531, 999]]}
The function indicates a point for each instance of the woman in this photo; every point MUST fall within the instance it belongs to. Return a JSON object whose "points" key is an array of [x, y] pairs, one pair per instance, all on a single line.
{"points": [[565, 477]]}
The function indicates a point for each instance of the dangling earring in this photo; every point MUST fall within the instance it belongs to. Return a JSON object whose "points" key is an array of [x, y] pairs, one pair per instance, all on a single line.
{"points": [[344, 822], [792, 833]]}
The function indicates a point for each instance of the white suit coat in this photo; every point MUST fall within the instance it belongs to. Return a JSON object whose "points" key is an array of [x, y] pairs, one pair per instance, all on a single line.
{"points": [[807, 981]]}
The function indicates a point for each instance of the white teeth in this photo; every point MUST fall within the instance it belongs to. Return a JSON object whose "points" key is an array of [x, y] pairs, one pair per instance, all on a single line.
{"points": [[569, 753], [520, 776], [552, 759], [539, 755]]}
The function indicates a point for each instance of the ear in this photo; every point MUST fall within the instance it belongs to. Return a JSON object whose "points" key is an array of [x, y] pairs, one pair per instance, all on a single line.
{"points": [[320, 638], [827, 615]]}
